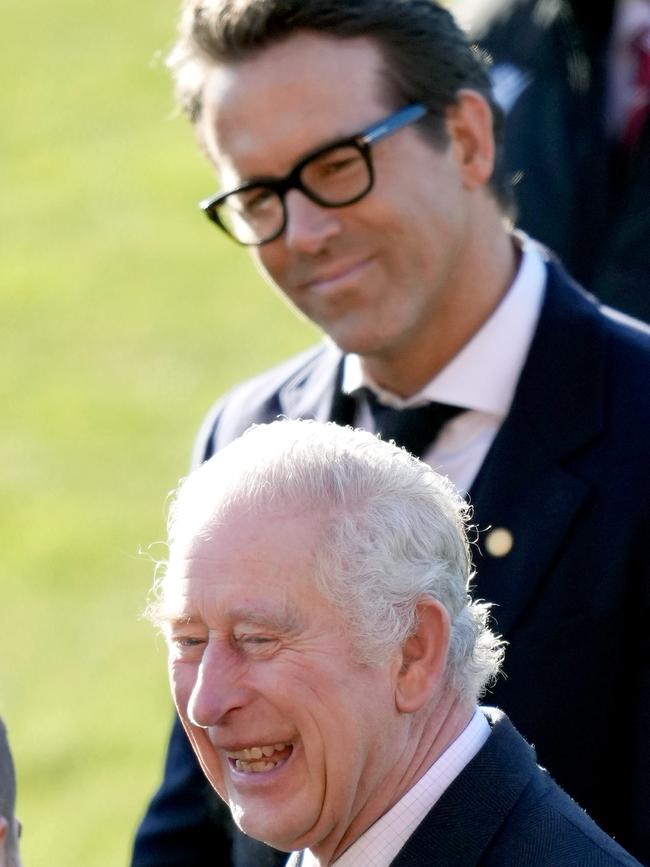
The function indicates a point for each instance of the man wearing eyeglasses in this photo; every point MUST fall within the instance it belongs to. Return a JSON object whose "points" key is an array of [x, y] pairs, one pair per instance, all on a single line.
{"points": [[358, 150]]}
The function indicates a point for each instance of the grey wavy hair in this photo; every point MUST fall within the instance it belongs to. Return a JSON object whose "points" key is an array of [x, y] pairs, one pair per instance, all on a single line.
{"points": [[392, 531]]}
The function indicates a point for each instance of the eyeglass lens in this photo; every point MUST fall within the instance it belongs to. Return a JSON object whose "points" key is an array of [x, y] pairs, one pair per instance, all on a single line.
{"points": [[333, 177]]}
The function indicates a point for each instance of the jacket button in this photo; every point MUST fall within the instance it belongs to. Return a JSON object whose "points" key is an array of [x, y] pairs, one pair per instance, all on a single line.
{"points": [[499, 542]]}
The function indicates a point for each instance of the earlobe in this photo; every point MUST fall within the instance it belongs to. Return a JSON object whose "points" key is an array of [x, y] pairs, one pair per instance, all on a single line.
{"points": [[469, 125], [4, 828], [423, 658]]}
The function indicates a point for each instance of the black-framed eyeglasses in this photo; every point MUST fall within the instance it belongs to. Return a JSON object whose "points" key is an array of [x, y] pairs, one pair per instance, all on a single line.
{"points": [[339, 173]]}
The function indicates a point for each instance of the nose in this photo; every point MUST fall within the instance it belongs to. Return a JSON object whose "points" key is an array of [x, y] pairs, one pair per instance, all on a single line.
{"points": [[309, 226], [219, 688]]}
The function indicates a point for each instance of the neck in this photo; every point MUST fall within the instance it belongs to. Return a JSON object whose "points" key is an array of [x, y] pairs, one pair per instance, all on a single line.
{"points": [[440, 730], [471, 296], [432, 731]]}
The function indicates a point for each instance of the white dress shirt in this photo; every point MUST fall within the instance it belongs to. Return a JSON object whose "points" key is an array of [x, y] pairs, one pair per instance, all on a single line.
{"points": [[379, 845], [481, 378]]}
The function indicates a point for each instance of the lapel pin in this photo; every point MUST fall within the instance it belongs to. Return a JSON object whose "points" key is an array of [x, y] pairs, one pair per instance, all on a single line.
{"points": [[499, 542]]}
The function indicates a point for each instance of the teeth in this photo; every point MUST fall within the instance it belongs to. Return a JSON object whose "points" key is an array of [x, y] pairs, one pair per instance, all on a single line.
{"points": [[252, 760], [254, 767], [255, 753]]}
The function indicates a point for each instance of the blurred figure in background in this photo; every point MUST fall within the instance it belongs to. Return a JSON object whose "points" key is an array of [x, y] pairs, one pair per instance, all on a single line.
{"points": [[573, 77], [9, 824]]}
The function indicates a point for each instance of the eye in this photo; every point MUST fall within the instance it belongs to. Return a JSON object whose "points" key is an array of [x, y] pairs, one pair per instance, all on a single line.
{"points": [[188, 642], [331, 167], [255, 643], [339, 160], [253, 201], [187, 646], [253, 639]]}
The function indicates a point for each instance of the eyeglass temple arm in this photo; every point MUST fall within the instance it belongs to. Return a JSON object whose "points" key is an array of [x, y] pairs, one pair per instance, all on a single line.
{"points": [[396, 121]]}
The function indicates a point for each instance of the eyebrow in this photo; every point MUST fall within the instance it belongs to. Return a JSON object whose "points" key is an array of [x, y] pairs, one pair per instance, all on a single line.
{"points": [[287, 620], [174, 620], [263, 180]]}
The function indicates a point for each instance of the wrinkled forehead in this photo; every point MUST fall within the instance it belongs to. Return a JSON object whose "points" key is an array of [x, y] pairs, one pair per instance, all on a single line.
{"points": [[247, 556], [289, 98], [238, 527]]}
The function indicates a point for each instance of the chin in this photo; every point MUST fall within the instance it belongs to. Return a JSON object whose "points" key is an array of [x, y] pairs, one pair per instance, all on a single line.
{"points": [[286, 831], [364, 333], [268, 833], [351, 340]]}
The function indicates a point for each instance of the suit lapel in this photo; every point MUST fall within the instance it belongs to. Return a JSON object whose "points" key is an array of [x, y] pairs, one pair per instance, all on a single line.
{"points": [[526, 483], [535, 502], [311, 393]]}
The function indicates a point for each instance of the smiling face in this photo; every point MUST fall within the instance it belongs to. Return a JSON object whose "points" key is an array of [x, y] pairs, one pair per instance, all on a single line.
{"points": [[380, 275], [305, 744]]}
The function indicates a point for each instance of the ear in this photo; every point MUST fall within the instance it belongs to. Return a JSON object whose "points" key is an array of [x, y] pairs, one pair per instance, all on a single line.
{"points": [[423, 657], [469, 125]]}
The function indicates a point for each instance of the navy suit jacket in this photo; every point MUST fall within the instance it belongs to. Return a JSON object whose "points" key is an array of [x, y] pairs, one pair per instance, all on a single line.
{"points": [[568, 475], [505, 811]]}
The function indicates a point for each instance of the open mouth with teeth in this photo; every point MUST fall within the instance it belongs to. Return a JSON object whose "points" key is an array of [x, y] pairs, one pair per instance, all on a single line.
{"points": [[255, 760]]}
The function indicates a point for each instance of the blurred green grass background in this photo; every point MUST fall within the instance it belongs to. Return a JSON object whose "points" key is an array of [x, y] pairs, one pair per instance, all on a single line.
{"points": [[123, 316]]}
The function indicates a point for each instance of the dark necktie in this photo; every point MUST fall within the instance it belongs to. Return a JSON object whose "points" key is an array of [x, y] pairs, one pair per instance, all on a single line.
{"points": [[414, 428]]}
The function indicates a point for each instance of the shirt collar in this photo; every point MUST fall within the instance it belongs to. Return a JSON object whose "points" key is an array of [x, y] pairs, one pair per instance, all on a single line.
{"points": [[484, 374]]}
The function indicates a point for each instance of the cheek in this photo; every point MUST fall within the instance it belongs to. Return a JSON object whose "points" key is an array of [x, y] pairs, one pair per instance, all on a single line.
{"points": [[270, 262], [209, 760], [357, 745], [182, 678]]}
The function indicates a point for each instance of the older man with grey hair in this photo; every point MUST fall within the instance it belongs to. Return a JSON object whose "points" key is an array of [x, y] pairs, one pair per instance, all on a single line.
{"points": [[9, 824], [326, 660]]}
